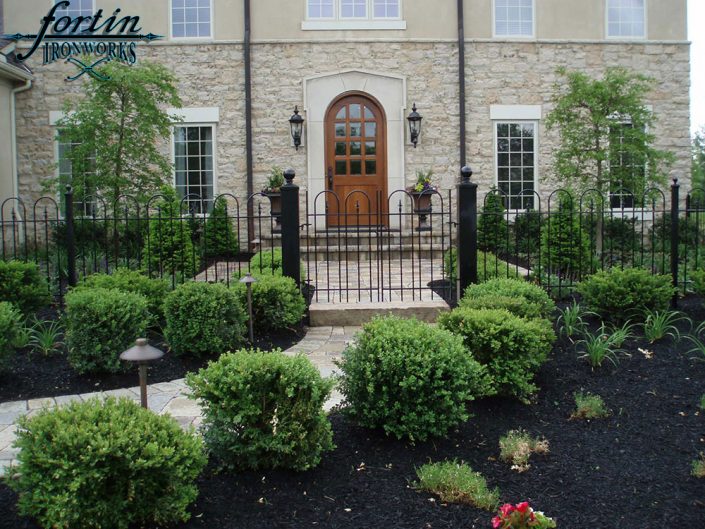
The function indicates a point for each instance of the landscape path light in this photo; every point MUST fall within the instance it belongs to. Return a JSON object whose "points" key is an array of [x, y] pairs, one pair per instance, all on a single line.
{"points": [[142, 353], [248, 280]]}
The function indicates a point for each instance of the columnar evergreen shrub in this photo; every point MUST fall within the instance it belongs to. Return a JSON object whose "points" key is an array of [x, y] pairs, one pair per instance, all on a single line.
{"points": [[538, 302], [409, 378], [264, 410], [511, 348], [276, 302], [105, 464], [492, 226], [10, 326], [203, 318], [565, 244], [168, 250], [155, 290], [619, 294], [219, 237], [527, 233], [100, 324], [23, 285]]}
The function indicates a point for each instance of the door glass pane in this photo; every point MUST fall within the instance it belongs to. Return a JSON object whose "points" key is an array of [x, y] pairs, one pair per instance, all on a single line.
{"points": [[355, 167], [341, 114], [355, 148], [340, 149], [340, 167], [370, 148], [369, 114], [355, 129], [340, 129], [370, 167], [370, 130], [355, 111]]}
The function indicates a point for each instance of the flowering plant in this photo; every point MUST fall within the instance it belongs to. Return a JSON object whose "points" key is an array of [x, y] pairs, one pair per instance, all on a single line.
{"points": [[521, 516], [423, 181]]}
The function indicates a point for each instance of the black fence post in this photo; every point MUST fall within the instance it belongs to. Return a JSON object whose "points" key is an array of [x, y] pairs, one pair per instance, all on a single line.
{"points": [[70, 237], [467, 230], [675, 187], [291, 249]]}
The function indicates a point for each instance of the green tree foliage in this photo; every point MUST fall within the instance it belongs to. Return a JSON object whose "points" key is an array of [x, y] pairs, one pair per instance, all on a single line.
{"points": [[219, 238], [698, 165], [492, 224], [23, 285], [10, 325], [115, 130]]}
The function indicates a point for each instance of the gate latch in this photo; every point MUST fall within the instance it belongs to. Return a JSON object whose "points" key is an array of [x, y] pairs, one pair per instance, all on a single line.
{"points": [[330, 178]]}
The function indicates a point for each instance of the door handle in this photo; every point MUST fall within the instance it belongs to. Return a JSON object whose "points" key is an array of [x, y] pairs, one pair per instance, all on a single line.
{"points": [[330, 178]]}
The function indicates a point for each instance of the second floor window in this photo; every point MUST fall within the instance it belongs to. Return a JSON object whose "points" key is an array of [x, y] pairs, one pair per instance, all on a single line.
{"points": [[190, 18], [353, 9], [626, 18], [514, 18], [77, 8]]}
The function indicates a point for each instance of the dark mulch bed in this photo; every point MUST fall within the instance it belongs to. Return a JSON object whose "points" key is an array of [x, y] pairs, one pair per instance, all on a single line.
{"points": [[32, 375], [629, 471]]}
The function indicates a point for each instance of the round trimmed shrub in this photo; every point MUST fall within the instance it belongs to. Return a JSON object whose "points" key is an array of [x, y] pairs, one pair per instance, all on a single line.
{"points": [[267, 262], [10, 325], [618, 294], [511, 348], [155, 290], [276, 302], [24, 286], [100, 324], [264, 410], [409, 378], [108, 464], [519, 306], [538, 301], [203, 318]]}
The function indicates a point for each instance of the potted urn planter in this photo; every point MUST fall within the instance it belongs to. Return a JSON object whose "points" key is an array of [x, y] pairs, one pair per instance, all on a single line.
{"points": [[273, 192], [421, 192]]}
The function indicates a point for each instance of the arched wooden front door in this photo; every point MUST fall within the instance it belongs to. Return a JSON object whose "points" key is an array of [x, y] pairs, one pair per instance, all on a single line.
{"points": [[356, 161]]}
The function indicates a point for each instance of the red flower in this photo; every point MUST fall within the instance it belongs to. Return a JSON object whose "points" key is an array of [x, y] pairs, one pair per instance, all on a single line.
{"points": [[496, 522], [506, 509], [522, 507]]}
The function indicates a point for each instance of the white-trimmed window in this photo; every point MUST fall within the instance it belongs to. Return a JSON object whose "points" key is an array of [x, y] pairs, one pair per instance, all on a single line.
{"points": [[353, 14], [77, 8], [515, 158], [626, 18], [514, 18], [194, 174], [191, 18], [627, 166], [85, 199]]}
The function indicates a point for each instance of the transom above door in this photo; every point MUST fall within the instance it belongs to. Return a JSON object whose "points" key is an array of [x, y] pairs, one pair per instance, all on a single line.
{"points": [[356, 161]]}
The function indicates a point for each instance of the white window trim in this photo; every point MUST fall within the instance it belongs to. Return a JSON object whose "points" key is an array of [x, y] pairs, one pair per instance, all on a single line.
{"points": [[209, 38], [339, 23], [620, 37], [516, 112], [535, 122], [93, 8], [214, 128], [638, 213], [533, 24]]}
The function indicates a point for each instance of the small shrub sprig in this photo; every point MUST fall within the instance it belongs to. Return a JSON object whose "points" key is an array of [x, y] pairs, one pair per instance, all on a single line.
{"points": [[521, 516], [456, 482], [588, 406], [517, 446]]}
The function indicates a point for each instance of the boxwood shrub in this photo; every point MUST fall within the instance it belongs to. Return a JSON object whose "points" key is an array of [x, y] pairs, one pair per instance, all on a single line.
{"points": [[488, 266], [23, 285], [155, 290], [264, 410], [511, 348], [10, 324], [619, 294], [276, 302], [269, 262], [204, 318], [409, 378], [537, 302], [108, 464], [100, 324]]}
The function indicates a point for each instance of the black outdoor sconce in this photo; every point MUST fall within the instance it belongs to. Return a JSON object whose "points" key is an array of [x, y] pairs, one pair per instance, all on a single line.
{"points": [[414, 125], [141, 354], [297, 126]]}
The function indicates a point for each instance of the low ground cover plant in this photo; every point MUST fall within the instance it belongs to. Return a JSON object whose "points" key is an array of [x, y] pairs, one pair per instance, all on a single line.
{"points": [[517, 446], [521, 516], [540, 303], [23, 285], [100, 324], [203, 319], [698, 467], [264, 410], [276, 302], [409, 378], [511, 348], [619, 294], [456, 482], [10, 328], [589, 406], [108, 464]]}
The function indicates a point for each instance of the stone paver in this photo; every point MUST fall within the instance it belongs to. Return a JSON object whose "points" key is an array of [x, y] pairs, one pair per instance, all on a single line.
{"points": [[322, 345]]}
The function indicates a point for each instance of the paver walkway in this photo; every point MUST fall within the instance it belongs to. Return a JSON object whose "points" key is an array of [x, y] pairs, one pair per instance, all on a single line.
{"points": [[321, 344]]}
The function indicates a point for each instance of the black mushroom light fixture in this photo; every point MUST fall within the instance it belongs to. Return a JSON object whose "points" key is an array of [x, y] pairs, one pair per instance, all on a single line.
{"points": [[414, 119], [296, 122]]}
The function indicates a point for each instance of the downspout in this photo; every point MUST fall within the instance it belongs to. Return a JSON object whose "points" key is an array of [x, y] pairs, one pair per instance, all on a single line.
{"points": [[248, 128], [461, 79], [13, 139]]}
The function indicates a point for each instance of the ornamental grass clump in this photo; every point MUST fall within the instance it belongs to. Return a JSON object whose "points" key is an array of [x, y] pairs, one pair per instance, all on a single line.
{"points": [[456, 482], [511, 348], [601, 346], [517, 446], [263, 410], [105, 464], [659, 324], [538, 304], [204, 319], [410, 379]]}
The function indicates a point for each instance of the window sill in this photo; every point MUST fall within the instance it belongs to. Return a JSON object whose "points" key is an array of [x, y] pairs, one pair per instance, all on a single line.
{"points": [[337, 25]]}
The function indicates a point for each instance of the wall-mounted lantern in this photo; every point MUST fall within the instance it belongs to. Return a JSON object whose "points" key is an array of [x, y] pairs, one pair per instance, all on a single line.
{"points": [[414, 119], [296, 122]]}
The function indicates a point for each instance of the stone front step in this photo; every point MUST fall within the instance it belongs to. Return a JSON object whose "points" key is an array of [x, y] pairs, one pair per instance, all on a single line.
{"points": [[356, 314]]}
